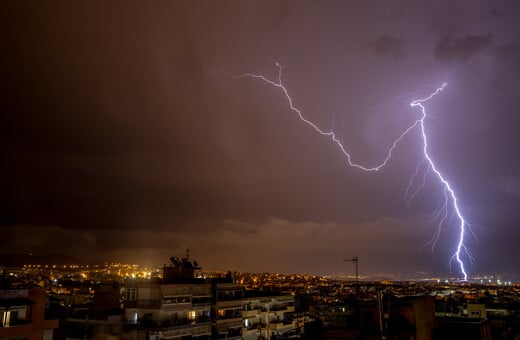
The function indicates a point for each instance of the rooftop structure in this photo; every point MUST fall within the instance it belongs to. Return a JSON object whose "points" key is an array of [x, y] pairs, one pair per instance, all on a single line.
{"points": [[182, 305]]}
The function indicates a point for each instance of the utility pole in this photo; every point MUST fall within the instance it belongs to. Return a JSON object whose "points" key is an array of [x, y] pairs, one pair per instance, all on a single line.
{"points": [[355, 260]]}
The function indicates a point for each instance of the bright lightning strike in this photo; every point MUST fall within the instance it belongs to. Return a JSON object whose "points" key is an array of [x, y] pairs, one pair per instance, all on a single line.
{"points": [[448, 193]]}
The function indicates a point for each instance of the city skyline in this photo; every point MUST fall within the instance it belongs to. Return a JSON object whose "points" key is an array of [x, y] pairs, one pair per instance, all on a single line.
{"points": [[124, 137]]}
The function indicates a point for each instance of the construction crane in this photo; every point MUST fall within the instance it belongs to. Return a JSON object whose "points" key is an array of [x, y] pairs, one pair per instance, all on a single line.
{"points": [[354, 259]]}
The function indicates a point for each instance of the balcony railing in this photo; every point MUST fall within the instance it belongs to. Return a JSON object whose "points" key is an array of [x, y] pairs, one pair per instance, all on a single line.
{"points": [[177, 306], [252, 326], [201, 305], [230, 323], [248, 313], [148, 303], [280, 307], [230, 304], [193, 330], [281, 324], [202, 318]]}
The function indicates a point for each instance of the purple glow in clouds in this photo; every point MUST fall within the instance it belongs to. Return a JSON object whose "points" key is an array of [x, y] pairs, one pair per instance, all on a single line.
{"points": [[448, 193]]}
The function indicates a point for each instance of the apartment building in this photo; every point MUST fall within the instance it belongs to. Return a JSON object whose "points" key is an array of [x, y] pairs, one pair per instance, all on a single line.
{"points": [[22, 315], [269, 317]]}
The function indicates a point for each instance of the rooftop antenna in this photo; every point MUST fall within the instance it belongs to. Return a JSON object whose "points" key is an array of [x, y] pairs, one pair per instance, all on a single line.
{"points": [[354, 259]]}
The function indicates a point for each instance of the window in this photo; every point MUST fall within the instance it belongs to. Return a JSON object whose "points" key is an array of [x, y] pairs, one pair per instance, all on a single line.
{"points": [[131, 294], [227, 295], [5, 317], [176, 299]]}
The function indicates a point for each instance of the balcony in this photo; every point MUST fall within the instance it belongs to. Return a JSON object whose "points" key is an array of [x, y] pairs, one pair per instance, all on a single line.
{"points": [[279, 307], [202, 319], [249, 313], [176, 302], [201, 306], [147, 323], [229, 304], [255, 326], [148, 304], [282, 325], [229, 323], [201, 301], [176, 306], [188, 330]]}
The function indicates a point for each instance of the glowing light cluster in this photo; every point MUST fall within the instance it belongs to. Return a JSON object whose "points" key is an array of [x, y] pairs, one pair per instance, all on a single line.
{"points": [[442, 212]]}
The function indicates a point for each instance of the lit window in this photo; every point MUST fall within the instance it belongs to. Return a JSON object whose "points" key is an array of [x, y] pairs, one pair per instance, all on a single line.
{"points": [[131, 294], [5, 317]]}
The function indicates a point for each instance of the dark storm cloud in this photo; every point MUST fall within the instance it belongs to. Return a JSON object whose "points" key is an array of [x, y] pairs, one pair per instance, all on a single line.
{"points": [[46, 238], [387, 46], [509, 52], [496, 13], [297, 240], [461, 49], [109, 118]]}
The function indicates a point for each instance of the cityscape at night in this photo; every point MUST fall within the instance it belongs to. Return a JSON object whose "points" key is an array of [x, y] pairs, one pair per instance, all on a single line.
{"points": [[260, 170]]}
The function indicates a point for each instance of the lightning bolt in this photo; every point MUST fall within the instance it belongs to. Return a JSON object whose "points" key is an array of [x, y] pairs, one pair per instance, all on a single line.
{"points": [[448, 193], [410, 196]]}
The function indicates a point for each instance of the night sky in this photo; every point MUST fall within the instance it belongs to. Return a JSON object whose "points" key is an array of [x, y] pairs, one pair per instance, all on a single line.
{"points": [[124, 137]]}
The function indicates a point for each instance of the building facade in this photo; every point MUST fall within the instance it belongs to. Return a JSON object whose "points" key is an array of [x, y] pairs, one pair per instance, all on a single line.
{"points": [[183, 307], [22, 315], [270, 317]]}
